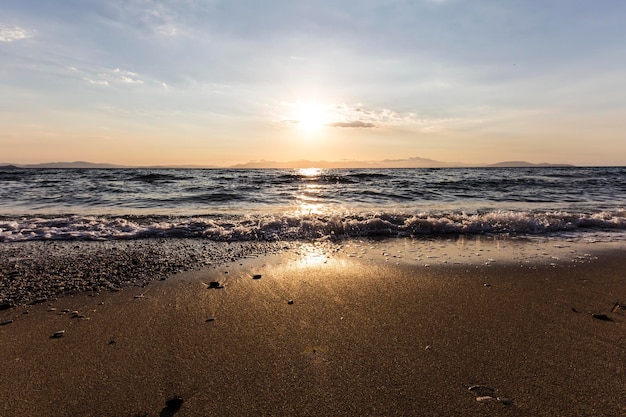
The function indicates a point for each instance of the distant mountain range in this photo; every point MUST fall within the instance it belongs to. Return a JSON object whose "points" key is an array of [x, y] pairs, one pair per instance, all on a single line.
{"points": [[414, 162]]}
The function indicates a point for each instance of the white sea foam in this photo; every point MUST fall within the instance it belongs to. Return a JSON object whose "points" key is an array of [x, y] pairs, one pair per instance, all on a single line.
{"points": [[609, 224]]}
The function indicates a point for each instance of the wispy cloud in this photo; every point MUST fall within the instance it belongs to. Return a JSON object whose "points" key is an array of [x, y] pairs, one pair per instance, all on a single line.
{"points": [[347, 116], [11, 34], [354, 123], [160, 18], [96, 82], [167, 30], [359, 116], [110, 77], [126, 77]]}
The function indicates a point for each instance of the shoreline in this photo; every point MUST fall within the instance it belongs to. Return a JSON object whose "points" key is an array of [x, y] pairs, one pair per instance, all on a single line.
{"points": [[374, 328], [35, 272]]}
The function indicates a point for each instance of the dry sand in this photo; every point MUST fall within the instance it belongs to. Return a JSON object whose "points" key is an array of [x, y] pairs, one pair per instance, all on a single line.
{"points": [[369, 329]]}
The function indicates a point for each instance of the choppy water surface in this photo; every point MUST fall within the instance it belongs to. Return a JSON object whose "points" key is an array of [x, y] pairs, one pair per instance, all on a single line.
{"points": [[221, 204]]}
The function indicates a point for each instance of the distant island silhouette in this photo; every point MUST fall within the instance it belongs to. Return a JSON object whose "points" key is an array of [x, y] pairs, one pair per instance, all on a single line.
{"points": [[413, 162]]}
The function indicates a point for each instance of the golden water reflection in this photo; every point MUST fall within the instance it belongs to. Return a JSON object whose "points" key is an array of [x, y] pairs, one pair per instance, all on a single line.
{"points": [[310, 172], [312, 254], [309, 196]]}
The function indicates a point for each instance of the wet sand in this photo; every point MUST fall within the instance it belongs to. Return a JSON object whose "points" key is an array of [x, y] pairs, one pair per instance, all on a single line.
{"points": [[365, 329]]}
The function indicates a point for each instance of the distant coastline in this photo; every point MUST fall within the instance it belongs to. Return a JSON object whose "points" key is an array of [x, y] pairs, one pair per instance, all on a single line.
{"points": [[414, 162]]}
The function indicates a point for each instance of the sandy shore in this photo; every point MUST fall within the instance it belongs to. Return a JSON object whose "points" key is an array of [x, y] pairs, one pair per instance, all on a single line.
{"points": [[365, 329]]}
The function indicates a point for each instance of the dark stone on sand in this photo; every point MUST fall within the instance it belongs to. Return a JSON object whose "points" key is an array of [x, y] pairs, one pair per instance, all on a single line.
{"points": [[174, 403], [215, 284], [210, 319], [58, 334], [257, 276], [602, 317], [5, 306], [4, 323], [289, 302], [504, 401]]}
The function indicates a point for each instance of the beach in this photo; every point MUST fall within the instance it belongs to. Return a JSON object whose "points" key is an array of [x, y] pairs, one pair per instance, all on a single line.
{"points": [[477, 327]]}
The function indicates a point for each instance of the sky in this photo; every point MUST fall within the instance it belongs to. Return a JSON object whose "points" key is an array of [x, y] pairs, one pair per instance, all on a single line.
{"points": [[219, 82]]}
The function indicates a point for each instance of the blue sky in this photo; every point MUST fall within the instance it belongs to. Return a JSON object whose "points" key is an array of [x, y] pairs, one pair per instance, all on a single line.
{"points": [[219, 82]]}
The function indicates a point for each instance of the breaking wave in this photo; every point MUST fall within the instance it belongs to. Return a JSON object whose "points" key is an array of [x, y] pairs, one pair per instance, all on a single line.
{"points": [[291, 227]]}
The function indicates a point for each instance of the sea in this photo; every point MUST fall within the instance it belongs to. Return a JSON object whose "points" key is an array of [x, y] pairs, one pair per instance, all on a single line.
{"points": [[585, 203]]}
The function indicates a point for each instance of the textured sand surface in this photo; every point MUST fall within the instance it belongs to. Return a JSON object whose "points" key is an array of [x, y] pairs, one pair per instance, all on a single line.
{"points": [[361, 330]]}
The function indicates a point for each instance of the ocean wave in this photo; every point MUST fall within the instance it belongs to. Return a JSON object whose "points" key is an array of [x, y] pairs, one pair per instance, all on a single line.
{"points": [[295, 178], [157, 177], [290, 227]]}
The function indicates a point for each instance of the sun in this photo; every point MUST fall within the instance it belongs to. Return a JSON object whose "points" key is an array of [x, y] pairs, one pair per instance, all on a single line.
{"points": [[310, 117]]}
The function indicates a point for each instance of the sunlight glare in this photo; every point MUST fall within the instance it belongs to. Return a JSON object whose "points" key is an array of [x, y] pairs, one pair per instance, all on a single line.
{"points": [[309, 172], [310, 116], [312, 255]]}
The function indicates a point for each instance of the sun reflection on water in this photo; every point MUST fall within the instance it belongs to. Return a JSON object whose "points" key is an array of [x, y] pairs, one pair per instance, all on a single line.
{"points": [[310, 172], [309, 196]]}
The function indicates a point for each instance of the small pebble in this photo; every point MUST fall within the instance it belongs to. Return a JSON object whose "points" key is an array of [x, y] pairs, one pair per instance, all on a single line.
{"points": [[174, 403], [215, 284], [4, 323], [256, 276], [289, 302], [504, 401], [210, 319], [58, 334]]}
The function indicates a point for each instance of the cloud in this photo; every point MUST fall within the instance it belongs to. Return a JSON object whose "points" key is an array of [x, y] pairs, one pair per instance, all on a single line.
{"points": [[161, 19], [127, 77], [96, 82], [115, 76], [354, 124], [356, 116], [11, 34], [129, 80], [167, 30], [359, 116]]}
